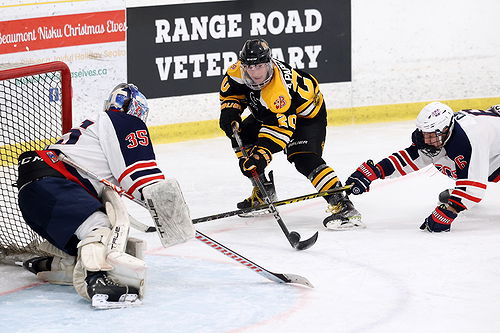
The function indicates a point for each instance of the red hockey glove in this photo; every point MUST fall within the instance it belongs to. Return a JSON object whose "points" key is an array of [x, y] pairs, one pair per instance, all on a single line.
{"points": [[440, 220], [257, 161], [363, 177]]}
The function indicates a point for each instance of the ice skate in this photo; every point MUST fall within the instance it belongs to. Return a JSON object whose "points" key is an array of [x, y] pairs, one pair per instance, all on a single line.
{"points": [[38, 264], [256, 198], [344, 216], [444, 196], [107, 294]]}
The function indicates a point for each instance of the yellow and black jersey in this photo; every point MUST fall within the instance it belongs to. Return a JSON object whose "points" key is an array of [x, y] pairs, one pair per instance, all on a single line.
{"points": [[291, 93]]}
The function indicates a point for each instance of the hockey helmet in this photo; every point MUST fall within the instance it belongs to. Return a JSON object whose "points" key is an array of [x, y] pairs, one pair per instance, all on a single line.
{"points": [[127, 98], [256, 53], [436, 120]]}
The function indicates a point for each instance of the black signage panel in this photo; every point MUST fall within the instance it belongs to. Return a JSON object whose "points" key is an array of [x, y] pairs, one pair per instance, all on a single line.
{"points": [[185, 49]]}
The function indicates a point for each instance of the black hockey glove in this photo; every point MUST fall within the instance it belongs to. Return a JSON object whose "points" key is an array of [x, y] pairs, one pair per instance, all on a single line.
{"points": [[227, 117], [440, 220], [257, 161], [363, 177]]}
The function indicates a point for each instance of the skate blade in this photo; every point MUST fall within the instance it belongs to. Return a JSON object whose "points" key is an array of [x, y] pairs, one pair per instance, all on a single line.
{"points": [[345, 225], [100, 302], [256, 213]]}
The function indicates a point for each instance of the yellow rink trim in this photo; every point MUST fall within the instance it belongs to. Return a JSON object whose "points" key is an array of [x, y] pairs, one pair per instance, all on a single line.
{"points": [[336, 117], [9, 153]]}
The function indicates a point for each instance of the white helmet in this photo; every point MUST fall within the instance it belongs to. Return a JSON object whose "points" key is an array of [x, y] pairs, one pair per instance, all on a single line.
{"points": [[127, 98], [435, 118]]}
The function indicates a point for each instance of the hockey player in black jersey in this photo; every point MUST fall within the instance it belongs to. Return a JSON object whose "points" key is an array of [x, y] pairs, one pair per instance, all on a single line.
{"points": [[287, 114], [464, 146]]}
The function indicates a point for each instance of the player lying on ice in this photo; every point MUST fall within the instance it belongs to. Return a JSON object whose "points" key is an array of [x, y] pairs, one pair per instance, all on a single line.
{"points": [[464, 146], [85, 223], [288, 114]]}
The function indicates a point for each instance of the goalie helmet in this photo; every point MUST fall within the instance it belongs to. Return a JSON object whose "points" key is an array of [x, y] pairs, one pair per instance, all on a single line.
{"points": [[127, 98], [435, 122], [255, 56]]}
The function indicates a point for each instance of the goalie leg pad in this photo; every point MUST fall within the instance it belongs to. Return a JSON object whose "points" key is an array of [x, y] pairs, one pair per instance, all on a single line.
{"points": [[169, 211], [61, 268], [104, 250], [127, 269]]}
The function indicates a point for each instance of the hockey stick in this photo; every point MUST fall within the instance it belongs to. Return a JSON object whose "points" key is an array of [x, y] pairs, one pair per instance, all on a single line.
{"points": [[293, 237], [266, 206], [145, 228], [275, 277]]}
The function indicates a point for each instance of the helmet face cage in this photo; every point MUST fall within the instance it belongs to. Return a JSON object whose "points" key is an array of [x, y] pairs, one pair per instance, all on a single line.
{"points": [[127, 98], [254, 53], [434, 123]]}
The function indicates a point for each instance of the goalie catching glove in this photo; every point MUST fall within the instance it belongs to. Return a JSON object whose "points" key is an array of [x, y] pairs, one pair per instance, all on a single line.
{"points": [[257, 161], [363, 177]]}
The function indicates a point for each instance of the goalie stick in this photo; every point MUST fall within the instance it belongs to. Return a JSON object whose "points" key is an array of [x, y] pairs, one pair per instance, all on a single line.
{"points": [[275, 277], [293, 237]]}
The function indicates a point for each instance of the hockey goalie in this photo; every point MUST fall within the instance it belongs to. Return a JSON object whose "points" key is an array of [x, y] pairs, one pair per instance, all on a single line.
{"points": [[85, 223]]}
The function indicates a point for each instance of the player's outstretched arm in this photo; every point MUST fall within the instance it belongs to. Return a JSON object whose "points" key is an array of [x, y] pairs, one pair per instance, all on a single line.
{"points": [[363, 177]]}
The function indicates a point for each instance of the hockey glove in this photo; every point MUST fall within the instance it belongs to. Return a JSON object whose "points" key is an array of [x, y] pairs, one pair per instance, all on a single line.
{"points": [[255, 162], [440, 220], [226, 120], [363, 177]]}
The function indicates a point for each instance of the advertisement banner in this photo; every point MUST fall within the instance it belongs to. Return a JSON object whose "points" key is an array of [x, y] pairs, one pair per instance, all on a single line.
{"points": [[90, 37], [62, 31], [185, 49]]}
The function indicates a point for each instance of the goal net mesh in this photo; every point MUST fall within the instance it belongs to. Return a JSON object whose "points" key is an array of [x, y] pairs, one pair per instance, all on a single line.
{"points": [[32, 115]]}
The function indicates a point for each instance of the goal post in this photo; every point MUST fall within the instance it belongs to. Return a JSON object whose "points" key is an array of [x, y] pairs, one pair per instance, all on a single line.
{"points": [[35, 110]]}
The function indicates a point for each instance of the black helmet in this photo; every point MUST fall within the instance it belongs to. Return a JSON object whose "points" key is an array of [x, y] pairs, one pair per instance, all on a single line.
{"points": [[255, 51]]}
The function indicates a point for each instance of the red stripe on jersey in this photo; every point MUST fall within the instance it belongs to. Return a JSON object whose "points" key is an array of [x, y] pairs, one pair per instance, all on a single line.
{"points": [[143, 182], [408, 160], [382, 172], [464, 195], [470, 183], [134, 167], [497, 179], [397, 165], [457, 203], [58, 165]]}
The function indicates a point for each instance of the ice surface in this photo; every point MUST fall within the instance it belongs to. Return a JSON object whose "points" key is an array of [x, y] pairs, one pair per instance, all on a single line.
{"points": [[389, 277]]}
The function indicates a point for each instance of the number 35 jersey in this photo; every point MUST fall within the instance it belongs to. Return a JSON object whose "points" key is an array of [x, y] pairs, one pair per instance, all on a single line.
{"points": [[290, 94], [115, 146]]}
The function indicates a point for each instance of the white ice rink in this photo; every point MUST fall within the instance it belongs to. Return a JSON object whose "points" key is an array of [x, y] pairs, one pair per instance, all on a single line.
{"points": [[389, 277]]}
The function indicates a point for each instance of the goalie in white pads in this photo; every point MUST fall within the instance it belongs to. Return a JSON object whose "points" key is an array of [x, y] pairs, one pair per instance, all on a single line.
{"points": [[84, 222]]}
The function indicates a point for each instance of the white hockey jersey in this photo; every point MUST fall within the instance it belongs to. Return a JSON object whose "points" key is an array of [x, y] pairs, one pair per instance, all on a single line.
{"points": [[471, 156], [115, 146]]}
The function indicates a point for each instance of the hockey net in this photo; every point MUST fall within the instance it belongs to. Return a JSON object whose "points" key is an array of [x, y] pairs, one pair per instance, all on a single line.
{"points": [[35, 109]]}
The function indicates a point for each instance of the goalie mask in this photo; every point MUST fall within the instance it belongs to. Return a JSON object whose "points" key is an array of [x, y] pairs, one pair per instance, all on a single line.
{"points": [[434, 125], [127, 98], [256, 63]]}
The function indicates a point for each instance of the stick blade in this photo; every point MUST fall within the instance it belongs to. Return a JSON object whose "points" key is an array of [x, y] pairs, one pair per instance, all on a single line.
{"points": [[294, 278], [303, 245]]}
